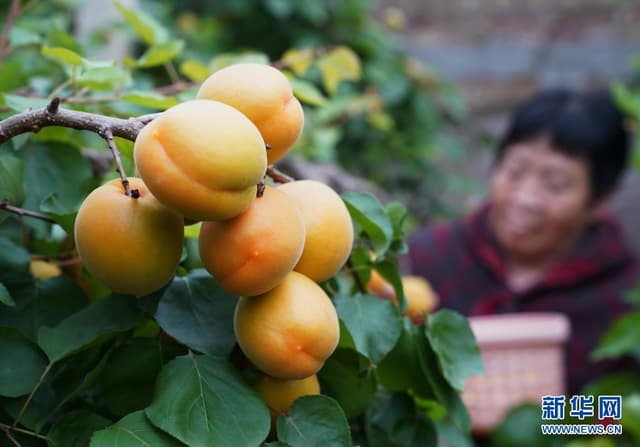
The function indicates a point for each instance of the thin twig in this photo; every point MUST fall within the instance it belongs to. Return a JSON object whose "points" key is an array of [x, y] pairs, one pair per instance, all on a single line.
{"points": [[33, 392], [108, 136], [7, 428], [5, 206], [176, 87], [278, 176], [10, 437], [14, 11], [172, 72], [34, 120]]}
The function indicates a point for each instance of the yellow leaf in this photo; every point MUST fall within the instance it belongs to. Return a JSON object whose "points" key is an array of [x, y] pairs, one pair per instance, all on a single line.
{"points": [[298, 60], [194, 70], [340, 64]]}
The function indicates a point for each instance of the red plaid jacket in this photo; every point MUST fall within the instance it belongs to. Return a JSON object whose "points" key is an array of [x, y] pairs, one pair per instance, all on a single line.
{"points": [[465, 265]]}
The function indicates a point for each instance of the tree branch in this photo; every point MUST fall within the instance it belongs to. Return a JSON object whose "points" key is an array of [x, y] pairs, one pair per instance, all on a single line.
{"points": [[52, 115], [115, 153], [5, 206]]}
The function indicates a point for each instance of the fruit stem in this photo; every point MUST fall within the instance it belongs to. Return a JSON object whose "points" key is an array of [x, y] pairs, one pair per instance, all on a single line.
{"points": [[107, 134], [278, 176], [260, 190]]}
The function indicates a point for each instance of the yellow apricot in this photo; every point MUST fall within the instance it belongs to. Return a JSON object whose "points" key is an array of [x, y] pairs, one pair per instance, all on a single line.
{"points": [[421, 298], [329, 228], [44, 269], [202, 158], [251, 253], [265, 96], [379, 286], [132, 245], [280, 394], [290, 331]]}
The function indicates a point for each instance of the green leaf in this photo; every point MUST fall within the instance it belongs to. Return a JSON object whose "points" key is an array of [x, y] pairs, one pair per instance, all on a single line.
{"points": [[23, 363], [388, 269], [145, 26], [202, 402], [454, 345], [314, 421], [64, 213], [74, 429], [149, 99], [133, 430], [340, 64], [130, 383], [5, 297], [100, 319], [622, 338], [520, 427], [63, 55], [37, 302], [442, 390], [22, 103], [368, 213], [194, 70], [307, 92], [13, 257], [631, 415], [160, 53], [396, 422], [196, 311], [344, 377], [57, 177], [11, 181], [364, 316], [400, 370], [103, 78]]}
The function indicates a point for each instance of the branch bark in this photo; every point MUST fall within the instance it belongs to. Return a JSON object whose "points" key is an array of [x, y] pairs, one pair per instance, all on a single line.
{"points": [[52, 115]]}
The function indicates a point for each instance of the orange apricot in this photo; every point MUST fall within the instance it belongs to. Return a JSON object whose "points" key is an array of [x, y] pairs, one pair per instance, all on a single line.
{"points": [[290, 331], [329, 230], [203, 159], [265, 96], [280, 394], [132, 245], [251, 253]]}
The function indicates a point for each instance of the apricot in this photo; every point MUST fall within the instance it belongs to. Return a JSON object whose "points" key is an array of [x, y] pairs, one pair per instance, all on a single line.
{"points": [[202, 158], [329, 230], [290, 331], [421, 298], [44, 269], [279, 394], [379, 286], [132, 245], [251, 253], [265, 96]]}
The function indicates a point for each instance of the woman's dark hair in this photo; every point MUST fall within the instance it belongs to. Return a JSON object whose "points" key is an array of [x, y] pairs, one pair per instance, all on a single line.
{"points": [[583, 125]]}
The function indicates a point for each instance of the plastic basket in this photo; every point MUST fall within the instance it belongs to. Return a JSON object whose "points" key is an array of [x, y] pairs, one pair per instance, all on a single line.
{"points": [[523, 358]]}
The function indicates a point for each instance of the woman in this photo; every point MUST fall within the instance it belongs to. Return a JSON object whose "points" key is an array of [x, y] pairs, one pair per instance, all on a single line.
{"points": [[543, 241]]}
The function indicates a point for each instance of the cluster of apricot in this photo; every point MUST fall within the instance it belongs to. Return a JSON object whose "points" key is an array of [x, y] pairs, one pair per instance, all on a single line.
{"points": [[205, 160]]}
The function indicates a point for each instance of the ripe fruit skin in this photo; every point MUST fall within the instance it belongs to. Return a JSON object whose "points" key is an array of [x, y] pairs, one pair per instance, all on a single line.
{"points": [[379, 286], [329, 228], [265, 96], [279, 394], [202, 158], [290, 331], [253, 252], [132, 245], [421, 298], [44, 269]]}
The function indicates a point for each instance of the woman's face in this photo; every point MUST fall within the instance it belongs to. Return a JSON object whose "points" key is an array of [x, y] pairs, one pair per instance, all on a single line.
{"points": [[539, 200]]}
